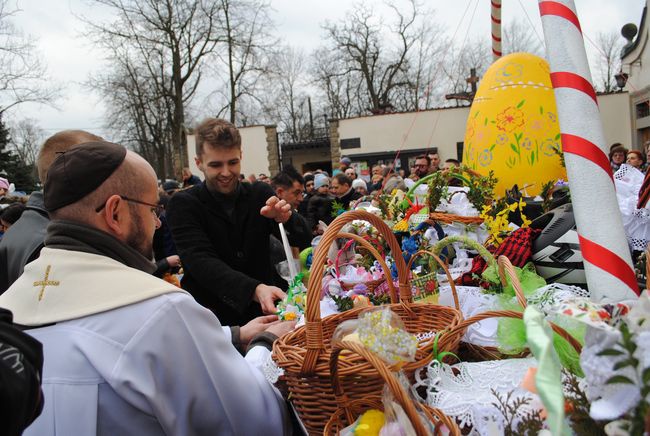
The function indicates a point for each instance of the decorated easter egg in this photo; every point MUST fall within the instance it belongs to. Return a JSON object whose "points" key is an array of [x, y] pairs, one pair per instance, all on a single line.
{"points": [[512, 128]]}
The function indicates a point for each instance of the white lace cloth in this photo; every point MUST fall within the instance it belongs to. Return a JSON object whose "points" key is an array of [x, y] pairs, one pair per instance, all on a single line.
{"points": [[628, 181], [467, 395], [272, 372], [550, 296], [472, 302]]}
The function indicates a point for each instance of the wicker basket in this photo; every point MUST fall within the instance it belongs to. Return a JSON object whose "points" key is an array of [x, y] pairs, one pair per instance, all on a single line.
{"points": [[478, 353], [304, 353], [352, 405]]}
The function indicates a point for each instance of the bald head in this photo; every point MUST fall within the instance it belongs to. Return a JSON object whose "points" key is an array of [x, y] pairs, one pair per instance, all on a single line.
{"points": [[133, 176], [61, 141]]}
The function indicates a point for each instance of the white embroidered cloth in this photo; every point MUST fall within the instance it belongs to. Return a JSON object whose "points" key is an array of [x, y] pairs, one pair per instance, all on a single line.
{"points": [[467, 394], [628, 181]]}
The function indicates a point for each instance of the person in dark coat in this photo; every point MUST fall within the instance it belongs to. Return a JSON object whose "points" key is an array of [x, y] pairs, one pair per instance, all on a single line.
{"points": [[288, 185], [342, 189], [23, 242], [189, 179], [221, 229], [309, 192], [320, 204]]}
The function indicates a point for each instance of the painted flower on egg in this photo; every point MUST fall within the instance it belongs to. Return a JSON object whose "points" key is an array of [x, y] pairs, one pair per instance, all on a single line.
{"points": [[485, 158], [510, 119]]}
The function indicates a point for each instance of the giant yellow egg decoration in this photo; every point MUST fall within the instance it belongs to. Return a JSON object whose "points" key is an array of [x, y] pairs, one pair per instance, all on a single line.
{"points": [[512, 126]]}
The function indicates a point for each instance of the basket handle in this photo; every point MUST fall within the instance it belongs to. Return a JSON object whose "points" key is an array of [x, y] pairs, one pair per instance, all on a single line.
{"points": [[394, 298], [444, 267], [506, 268], [482, 251], [401, 396], [337, 261], [313, 324], [512, 314]]}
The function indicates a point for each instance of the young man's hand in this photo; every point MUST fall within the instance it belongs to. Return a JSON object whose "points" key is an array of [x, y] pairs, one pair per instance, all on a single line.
{"points": [[267, 296], [276, 209]]}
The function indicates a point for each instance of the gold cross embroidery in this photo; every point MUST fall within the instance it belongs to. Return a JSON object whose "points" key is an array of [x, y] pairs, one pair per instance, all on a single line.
{"points": [[45, 282]]}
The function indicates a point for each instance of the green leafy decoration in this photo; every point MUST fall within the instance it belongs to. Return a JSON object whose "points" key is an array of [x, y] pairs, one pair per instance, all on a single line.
{"points": [[521, 103], [541, 110], [636, 419], [619, 379], [337, 208], [610, 351]]}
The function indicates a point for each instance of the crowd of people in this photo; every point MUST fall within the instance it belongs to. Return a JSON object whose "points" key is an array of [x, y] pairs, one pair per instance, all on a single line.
{"points": [[619, 155], [126, 352]]}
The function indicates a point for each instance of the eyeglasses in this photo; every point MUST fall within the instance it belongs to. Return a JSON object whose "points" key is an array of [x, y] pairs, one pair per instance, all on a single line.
{"points": [[156, 209]]}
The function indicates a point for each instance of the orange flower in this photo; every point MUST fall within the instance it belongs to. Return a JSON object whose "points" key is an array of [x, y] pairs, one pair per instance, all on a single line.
{"points": [[510, 119]]}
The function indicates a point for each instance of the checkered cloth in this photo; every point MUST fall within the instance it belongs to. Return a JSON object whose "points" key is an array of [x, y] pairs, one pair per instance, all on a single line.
{"points": [[518, 247]]}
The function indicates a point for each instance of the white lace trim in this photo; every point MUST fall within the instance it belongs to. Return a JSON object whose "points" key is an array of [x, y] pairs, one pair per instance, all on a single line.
{"points": [[272, 372], [548, 297]]}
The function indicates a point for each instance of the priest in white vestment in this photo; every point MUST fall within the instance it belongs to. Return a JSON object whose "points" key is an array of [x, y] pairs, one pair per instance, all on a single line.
{"points": [[125, 352]]}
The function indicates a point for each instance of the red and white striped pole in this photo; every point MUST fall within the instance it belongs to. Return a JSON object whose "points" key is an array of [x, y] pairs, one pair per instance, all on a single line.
{"points": [[608, 264], [495, 18]]}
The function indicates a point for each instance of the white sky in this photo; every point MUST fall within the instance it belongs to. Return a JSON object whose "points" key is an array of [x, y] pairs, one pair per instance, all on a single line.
{"points": [[70, 59]]}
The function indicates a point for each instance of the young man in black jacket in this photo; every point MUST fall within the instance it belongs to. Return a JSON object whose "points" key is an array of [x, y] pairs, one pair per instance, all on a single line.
{"points": [[221, 229]]}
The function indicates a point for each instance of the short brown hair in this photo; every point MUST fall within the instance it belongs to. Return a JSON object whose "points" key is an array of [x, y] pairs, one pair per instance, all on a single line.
{"points": [[638, 154], [216, 133], [617, 149], [60, 141]]}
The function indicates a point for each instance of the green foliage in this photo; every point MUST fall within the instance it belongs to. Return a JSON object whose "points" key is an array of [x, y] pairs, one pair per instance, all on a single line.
{"points": [[383, 201], [529, 424], [481, 188], [438, 189], [577, 408], [624, 349], [547, 195], [342, 303], [337, 208]]}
